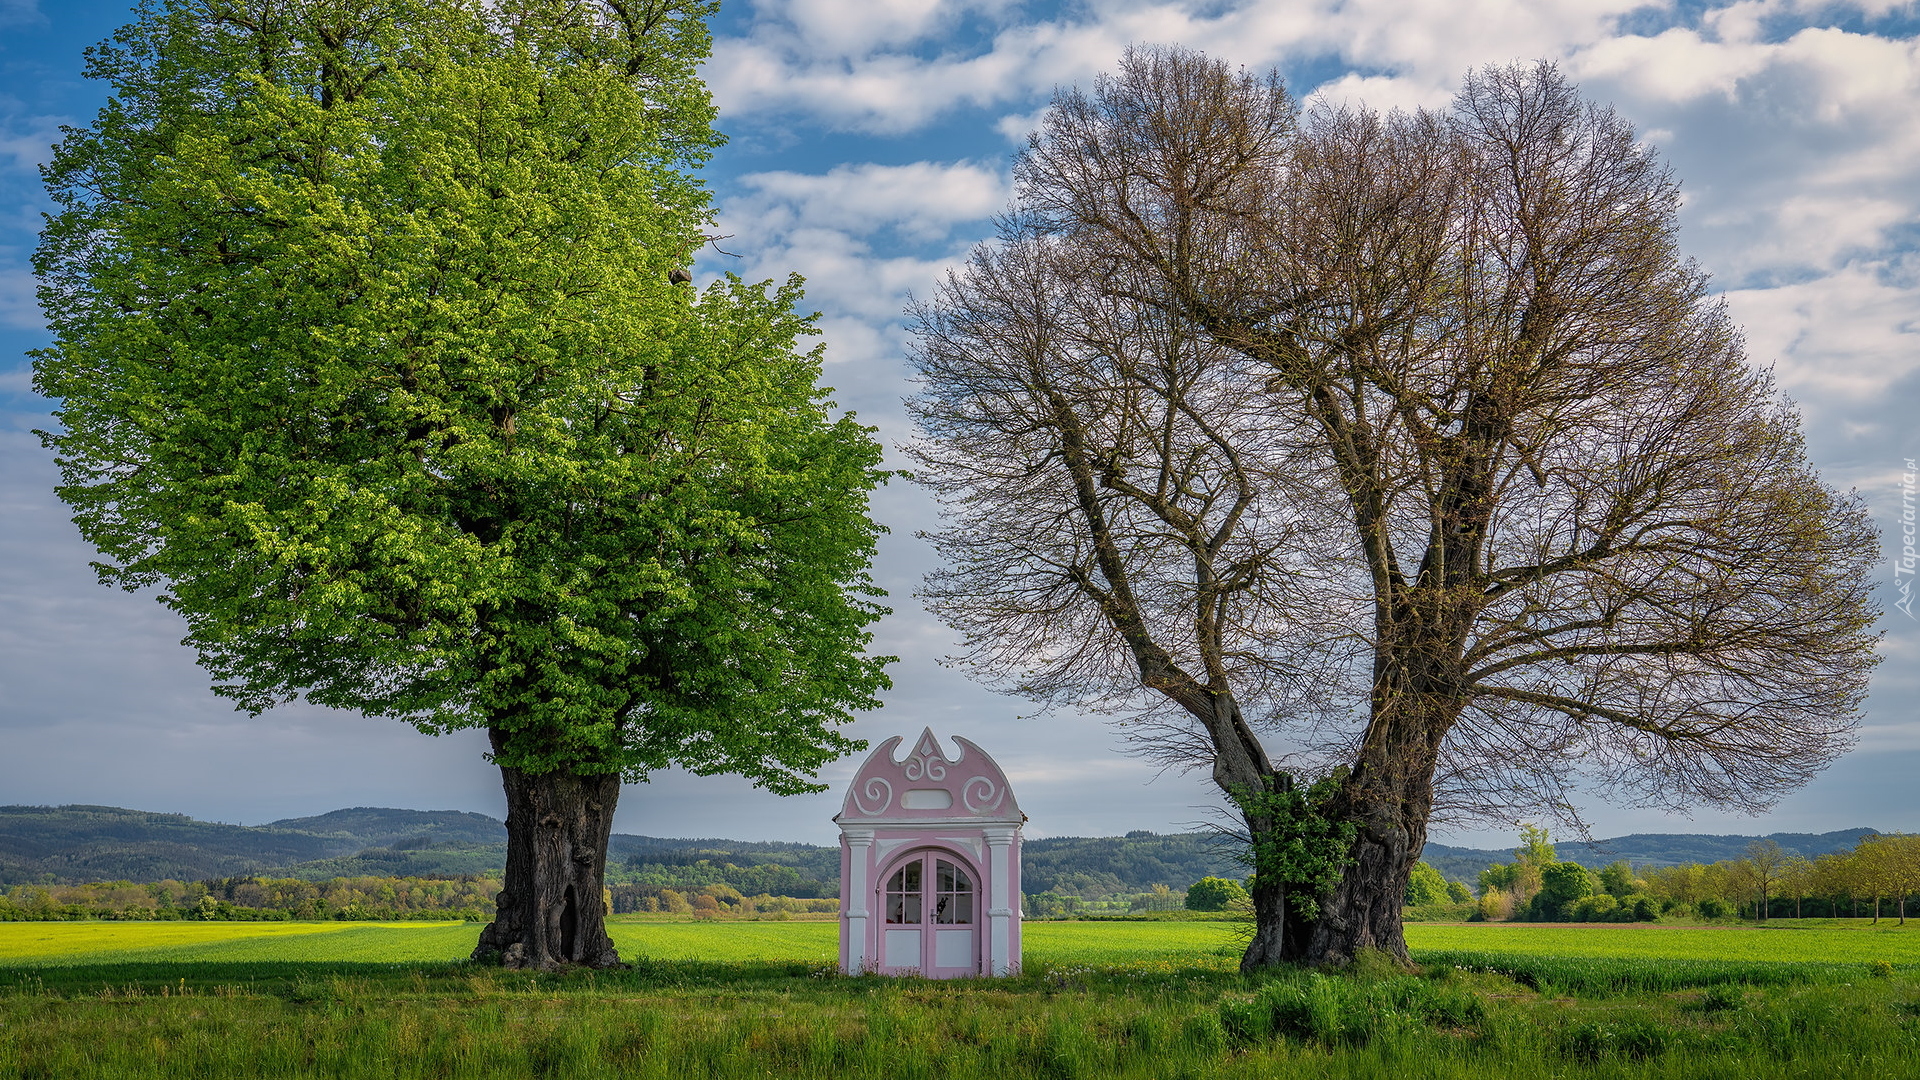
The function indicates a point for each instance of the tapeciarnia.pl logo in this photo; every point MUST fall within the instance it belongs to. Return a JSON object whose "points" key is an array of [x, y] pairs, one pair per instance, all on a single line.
{"points": [[1903, 567]]}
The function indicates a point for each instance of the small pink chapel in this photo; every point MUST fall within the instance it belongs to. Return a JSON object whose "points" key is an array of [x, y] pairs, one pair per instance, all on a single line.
{"points": [[930, 864]]}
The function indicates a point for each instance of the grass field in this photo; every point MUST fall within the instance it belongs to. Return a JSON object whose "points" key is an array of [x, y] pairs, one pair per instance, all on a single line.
{"points": [[733, 1000], [97, 943], [1047, 943]]}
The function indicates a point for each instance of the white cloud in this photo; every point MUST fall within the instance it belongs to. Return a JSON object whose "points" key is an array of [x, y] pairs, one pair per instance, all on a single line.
{"points": [[1798, 156], [18, 307], [20, 13], [27, 142], [826, 226], [1381, 93], [882, 82], [1839, 340], [840, 28], [921, 201]]}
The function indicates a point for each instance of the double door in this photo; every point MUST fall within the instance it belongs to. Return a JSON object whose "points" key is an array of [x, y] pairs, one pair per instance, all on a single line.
{"points": [[932, 912]]}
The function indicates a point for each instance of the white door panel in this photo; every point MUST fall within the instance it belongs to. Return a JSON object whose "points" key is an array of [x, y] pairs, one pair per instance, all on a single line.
{"points": [[903, 949], [953, 948]]}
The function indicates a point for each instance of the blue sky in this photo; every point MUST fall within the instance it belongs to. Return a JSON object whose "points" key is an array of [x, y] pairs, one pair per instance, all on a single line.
{"points": [[870, 146]]}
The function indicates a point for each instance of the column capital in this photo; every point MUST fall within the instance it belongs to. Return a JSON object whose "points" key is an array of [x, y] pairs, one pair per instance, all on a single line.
{"points": [[857, 837], [998, 835]]}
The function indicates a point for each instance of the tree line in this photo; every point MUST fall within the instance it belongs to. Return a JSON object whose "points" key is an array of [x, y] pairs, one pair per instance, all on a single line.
{"points": [[256, 899], [1880, 875]]}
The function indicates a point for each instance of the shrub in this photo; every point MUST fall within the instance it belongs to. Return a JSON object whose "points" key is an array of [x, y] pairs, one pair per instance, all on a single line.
{"points": [[1712, 908], [1213, 894], [1597, 908], [1425, 886]]}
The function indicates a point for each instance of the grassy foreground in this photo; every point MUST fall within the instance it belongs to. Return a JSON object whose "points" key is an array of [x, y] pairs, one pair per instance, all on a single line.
{"points": [[1096, 1000]]}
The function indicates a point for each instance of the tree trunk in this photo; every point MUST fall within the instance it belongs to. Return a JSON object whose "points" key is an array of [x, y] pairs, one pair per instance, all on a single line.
{"points": [[1364, 910], [552, 912], [1390, 797], [1268, 946]]}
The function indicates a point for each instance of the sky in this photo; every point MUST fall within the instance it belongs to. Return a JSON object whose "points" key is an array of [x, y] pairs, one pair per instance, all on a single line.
{"points": [[870, 145]]}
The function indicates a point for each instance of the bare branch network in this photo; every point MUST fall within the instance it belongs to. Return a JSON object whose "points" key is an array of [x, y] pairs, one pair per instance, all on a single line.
{"points": [[1409, 443]]}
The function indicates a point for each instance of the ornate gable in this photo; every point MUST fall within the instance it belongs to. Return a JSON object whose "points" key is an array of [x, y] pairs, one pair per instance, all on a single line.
{"points": [[928, 786]]}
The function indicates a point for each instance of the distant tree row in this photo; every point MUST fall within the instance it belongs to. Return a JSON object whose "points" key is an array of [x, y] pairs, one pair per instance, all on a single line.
{"points": [[775, 879], [1881, 872], [714, 899], [252, 899]]}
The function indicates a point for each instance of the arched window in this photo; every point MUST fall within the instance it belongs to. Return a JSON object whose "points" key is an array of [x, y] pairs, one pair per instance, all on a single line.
{"points": [[953, 903], [904, 895], [931, 912]]}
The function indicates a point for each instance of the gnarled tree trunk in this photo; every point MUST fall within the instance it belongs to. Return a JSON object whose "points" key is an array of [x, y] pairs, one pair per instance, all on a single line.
{"points": [[1270, 929], [1389, 795], [1363, 911], [552, 912]]}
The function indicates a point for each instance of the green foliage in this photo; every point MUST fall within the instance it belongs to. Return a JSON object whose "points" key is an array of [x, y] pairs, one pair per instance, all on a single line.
{"points": [[1214, 894], [256, 899], [1448, 912], [1562, 884], [1597, 908], [1458, 893], [368, 359], [1536, 848], [1300, 844], [1617, 878], [1499, 877], [1094, 867], [1426, 886]]}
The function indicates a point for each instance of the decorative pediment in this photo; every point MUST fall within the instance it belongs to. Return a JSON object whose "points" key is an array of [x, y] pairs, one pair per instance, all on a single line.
{"points": [[927, 785]]}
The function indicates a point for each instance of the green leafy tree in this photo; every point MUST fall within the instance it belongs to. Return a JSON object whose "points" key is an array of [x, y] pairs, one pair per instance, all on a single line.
{"points": [[1536, 848], [1561, 884], [1213, 894], [371, 358], [1618, 880], [1425, 885], [1458, 893]]}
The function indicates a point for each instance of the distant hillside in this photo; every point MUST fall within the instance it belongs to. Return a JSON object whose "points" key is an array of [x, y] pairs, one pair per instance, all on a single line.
{"points": [[1105, 865], [73, 844], [1646, 849], [77, 844]]}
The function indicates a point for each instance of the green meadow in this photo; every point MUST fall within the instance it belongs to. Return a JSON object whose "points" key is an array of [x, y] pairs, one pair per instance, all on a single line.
{"points": [[1056, 944], [1095, 999]]}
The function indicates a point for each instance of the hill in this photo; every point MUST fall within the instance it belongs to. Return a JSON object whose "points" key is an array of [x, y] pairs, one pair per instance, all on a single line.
{"points": [[77, 844], [74, 844]]}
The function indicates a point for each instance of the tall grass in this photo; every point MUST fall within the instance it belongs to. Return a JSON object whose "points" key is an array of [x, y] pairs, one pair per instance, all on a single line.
{"points": [[291, 1005], [798, 1019]]}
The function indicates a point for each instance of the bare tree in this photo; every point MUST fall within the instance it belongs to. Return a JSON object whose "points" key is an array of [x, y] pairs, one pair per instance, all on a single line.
{"points": [[1571, 533], [1122, 534], [1766, 863]]}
